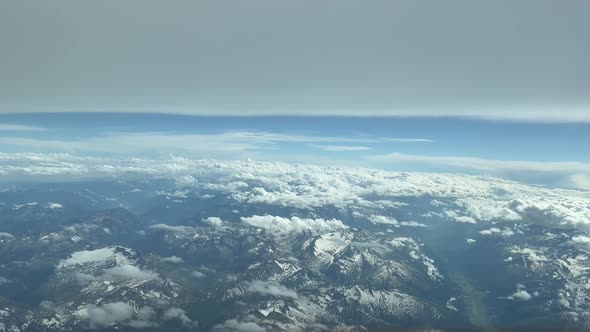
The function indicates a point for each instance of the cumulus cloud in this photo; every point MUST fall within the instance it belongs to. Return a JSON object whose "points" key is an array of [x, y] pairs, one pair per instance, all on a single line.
{"points": [[282, 225], [581, 239], [185, 181], [213, 221], [54, 206], [198, 274], [146, 313], [497, 231], [403, 242], [521, 294], [108, 313], [377, 219], [483, 209], [143, 318], [178, 313], [453, 215], [4, 235], [172, 259], [122, 313], [271, 288], [468, 199], [235, 325], [470, 241]]}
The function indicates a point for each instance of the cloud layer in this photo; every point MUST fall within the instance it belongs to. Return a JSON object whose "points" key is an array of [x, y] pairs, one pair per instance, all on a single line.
{"points": [[280, 225], [271, 288], [471, 199], [463, 58]]}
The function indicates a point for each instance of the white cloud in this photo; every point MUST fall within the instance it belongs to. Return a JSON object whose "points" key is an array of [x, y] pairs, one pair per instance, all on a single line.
{"points": [[453, 215], [54, 206], [127, 272], [146, 313], [581, 239], [470, 241], [107, 314], [282, 225], [490, 231], [271, 288], [377, 219], [581, 170], [408, 140], [466, 198], [497, 231], [342, 148], [173, 229], [235, 325], [521, 295], [18, 127], [178, 313], [213, 221], [231, 143], [488, 209], [185, 181], [412, 224], [198, 274], [579, 181], [172, 259]]}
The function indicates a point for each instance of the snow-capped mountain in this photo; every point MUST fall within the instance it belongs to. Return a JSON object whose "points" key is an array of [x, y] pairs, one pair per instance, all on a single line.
{"points": [[259, 246]]}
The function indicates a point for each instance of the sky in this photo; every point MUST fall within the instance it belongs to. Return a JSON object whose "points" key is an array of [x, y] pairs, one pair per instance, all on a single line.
{"points": [[494, 87], [505, 59], [553, 154]]}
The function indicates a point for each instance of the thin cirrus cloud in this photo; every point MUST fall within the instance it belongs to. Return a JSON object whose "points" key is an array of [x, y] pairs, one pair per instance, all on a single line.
{"points": [[342, 148], [19, 127], [158, 142], [408, 140]]}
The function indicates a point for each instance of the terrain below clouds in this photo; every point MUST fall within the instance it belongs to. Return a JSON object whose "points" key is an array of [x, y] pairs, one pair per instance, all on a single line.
{"points": [[185, 244]]}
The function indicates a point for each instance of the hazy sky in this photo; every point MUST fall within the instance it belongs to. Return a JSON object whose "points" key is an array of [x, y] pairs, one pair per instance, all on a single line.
{"points": [[525, 59]]}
